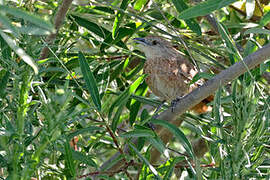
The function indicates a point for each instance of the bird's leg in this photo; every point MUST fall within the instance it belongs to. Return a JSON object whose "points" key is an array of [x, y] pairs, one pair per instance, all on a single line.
{"points": [[158, 108], [174, 103], [155, 115]]}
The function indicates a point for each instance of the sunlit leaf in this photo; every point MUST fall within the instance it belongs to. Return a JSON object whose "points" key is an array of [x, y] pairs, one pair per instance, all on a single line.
{"points": [[204, 8], [180, 5], [118, 17], [265, 19], [27, 17], [20, 52], [250, 7]]}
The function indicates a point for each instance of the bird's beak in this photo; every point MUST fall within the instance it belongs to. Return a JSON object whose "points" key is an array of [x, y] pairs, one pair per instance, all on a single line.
{"points": [[140, 41]]}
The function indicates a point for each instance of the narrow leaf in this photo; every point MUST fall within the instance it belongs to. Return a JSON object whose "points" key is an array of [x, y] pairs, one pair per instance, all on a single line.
{"points": [[171, 167], [93, 27], [83, 158], [228, 41], [27, 17], [3, 83], [118, 18], [154, 171], [122, 98], [116, 117], [257, 31], [178, 134], [180, 6], [139, 133], [69, 159], [204, 8], [139, 4], [7, 24], [20, 52], [158, 144], [90, 81], [265, 19]]}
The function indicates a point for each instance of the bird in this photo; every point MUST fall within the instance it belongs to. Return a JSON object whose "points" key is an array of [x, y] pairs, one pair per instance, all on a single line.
{"points": [[169, 72]]}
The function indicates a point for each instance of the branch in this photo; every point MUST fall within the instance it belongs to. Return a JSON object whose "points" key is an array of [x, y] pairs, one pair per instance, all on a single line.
{"points": [[196, 96], [221, 79], [208, 88], [58, 21]]}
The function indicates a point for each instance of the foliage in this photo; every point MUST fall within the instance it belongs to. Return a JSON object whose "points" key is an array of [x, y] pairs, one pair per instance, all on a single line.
{"points": [[64, 116]]}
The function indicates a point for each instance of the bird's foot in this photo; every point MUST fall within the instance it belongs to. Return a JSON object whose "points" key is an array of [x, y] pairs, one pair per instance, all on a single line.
{"points": [[174, 103], [158, 108], [151, 126]]}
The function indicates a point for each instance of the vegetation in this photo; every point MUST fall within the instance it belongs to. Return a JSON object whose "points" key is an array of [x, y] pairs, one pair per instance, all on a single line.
{"points": [[74, 103]]}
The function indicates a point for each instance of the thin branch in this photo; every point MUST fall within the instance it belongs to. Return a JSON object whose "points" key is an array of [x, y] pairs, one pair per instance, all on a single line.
{"points": [[111, 173], [58, 21]]}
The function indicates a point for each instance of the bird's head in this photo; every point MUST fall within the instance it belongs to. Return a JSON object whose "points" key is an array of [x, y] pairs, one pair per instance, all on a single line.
{"points": [[154, 46]]}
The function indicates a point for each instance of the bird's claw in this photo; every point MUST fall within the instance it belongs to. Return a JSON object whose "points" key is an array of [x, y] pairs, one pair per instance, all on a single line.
{"points": [[174, 103]]}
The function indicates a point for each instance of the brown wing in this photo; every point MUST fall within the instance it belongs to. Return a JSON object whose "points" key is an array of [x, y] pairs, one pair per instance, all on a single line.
{"points": [[169, 78]]}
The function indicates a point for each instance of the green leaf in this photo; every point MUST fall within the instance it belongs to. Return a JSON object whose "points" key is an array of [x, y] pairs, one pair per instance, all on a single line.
{"points": [[265, 19], [90, 81], [117, 116], [89, 129], [257, 31], [229, 41], [169, 171], [139, 4], [27, 17], [33, 30], [201, 75], [123, 97], [154, 171], [118, 18], [180, 6], [93, 27], [83, 158], [134, 71], [69, 159], [3, 161], [134, 104], [159, 145], [204, 8], [3, 83], [122, 100], [178, 134], [7, 24], [122, 32], [20, 52], [138, 133]]}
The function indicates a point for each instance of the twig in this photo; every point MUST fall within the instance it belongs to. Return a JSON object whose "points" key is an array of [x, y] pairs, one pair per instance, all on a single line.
{"points": [[58, 21], [187, 166], [111, 173]]}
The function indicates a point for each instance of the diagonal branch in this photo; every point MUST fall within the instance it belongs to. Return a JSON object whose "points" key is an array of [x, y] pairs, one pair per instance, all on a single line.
{"points": [[196, 96], [58, 21], [208, 88], [221, 79]]}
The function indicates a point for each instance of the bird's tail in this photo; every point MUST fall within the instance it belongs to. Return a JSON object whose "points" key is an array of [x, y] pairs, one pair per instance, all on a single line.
{"points": [[202, 107]]}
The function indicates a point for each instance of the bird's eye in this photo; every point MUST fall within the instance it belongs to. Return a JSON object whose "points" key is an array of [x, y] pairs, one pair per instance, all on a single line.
{"points": [[154, 42]]}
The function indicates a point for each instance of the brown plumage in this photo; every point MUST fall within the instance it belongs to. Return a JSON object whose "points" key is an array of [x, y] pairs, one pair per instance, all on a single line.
{"points": [[169, 73]]}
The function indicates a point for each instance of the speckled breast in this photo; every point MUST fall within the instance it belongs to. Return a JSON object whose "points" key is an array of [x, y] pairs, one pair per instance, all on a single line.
{"points": [[165, 78]]}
